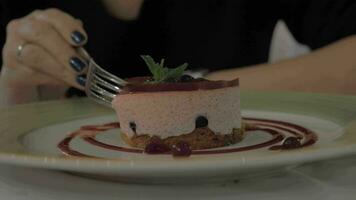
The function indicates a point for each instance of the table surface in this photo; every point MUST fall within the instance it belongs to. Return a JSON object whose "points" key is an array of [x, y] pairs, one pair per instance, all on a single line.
{"points": [[333, 179]]}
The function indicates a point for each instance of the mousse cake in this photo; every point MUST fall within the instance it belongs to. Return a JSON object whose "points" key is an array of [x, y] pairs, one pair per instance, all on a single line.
{"points": [[175, 108]]}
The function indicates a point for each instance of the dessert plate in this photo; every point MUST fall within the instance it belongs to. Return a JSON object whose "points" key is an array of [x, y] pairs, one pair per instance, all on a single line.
{"points": [[30, 135]]}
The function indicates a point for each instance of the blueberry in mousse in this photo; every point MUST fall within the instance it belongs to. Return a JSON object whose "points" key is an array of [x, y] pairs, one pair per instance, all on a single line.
{"points": [[174, 112]]}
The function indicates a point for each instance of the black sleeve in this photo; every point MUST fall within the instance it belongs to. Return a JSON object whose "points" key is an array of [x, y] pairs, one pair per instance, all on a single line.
{"points": [[317, 23]]}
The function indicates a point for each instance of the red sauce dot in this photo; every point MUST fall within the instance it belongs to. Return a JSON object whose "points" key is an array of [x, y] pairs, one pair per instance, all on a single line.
{"points": [[291, 143]]}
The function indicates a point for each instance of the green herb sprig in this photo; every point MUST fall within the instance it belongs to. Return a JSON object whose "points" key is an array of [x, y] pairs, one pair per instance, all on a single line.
{"points": [[161, 73]]}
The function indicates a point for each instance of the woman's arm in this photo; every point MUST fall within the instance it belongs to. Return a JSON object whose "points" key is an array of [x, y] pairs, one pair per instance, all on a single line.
{"points": [[325, 26], [17, 92], [11, 94], [331, 69]]}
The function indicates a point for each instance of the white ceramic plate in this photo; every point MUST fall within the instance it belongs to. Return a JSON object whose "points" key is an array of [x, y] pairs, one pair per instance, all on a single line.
{"points": [[30, 135]]}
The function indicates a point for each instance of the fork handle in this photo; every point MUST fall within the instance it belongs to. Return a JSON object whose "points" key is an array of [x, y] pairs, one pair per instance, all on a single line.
{"points": [[84, 53]]}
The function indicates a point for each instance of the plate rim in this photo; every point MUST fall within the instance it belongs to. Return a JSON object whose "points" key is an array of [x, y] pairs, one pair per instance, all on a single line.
{"points": [[108, 165]]}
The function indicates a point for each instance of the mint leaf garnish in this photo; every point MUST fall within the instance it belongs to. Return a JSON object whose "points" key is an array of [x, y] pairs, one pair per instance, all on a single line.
{"points": [[176, 72], [161, 73]]}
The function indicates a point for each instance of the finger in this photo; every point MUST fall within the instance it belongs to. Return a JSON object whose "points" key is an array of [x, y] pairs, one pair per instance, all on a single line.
{"points": [[41, 61], [11, 52], [16, 77], [68, 27], [17, 64], [9, 48], [43, 34], [38, 78]]}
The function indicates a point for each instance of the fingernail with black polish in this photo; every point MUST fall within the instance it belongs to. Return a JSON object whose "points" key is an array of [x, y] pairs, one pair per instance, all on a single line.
{"points": [[81, 79], [77, 37], [77, 64]]}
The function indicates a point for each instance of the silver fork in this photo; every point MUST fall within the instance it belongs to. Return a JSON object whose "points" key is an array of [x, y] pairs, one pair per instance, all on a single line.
{"points": [[101, 86]]}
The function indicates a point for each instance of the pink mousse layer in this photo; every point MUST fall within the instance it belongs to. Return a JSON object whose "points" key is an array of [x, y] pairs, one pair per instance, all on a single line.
{"points": [[172, 113]]}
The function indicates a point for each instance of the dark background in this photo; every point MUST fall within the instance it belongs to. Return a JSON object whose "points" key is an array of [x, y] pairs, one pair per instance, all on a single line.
{"points": [[213, 34]]}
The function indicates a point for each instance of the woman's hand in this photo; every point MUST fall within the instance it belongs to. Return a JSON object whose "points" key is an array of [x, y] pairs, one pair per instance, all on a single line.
{"points": [[40, 50]]}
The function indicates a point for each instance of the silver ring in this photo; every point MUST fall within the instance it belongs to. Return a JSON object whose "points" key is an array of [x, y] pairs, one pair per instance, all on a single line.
{"points": [[20, 48]]}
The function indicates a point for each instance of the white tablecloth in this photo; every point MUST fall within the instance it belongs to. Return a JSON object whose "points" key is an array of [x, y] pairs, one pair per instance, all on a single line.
{"points": [[334, 179]]}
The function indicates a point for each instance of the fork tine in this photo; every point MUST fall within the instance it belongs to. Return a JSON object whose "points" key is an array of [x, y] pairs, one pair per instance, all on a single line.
{"points": [[100, 81], [103, 73], [102, 91], [101, 86], [97, 89]]}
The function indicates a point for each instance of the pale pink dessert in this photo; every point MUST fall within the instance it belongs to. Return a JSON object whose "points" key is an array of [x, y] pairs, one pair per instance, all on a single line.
{"points": [[173, 110]]}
